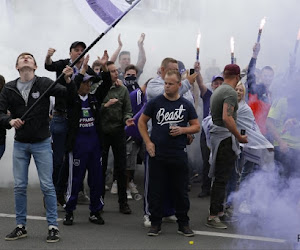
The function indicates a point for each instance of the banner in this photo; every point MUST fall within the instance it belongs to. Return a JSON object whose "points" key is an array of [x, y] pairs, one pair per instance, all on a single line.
{"points": [[102, 14]]}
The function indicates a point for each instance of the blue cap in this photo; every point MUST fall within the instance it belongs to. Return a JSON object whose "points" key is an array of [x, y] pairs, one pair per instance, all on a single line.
{"points": [[217, 77]]}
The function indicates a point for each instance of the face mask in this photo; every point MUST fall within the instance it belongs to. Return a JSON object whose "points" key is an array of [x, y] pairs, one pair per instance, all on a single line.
{"points": [[130, 80]]}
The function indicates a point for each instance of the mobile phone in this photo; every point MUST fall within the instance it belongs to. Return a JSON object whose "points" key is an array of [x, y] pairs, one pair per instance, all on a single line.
{"points": [[243, 131], [192, 71]]}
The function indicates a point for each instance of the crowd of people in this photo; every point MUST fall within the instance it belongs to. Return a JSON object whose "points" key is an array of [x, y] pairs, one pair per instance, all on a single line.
{"points": [[88, 110]]}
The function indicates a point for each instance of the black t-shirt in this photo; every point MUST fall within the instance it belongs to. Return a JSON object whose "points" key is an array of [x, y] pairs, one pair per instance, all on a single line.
{"points": [[164, 112]]}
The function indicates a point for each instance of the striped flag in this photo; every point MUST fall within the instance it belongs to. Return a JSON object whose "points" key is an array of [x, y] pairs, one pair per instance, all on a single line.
{"points": [[103, 14]]}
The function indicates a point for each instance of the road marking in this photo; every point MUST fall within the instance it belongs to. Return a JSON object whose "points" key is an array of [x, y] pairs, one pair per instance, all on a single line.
{"points": [[30, 217], [239, 236], [206, 233]]}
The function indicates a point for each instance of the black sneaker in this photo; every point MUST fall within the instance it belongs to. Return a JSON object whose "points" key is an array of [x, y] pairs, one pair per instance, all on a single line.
{"points": [[125, 209], [18, 233], [186, 231], [154, 230], [228, 218], [53, 235], [96, 218], [68, 220]]}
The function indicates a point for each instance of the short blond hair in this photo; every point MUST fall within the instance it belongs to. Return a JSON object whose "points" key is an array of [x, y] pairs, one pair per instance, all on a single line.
{"points": [[244, 88]]}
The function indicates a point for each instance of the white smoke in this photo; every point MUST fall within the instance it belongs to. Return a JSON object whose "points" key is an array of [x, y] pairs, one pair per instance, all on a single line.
{"points": [[274, 203], [171, 29]]}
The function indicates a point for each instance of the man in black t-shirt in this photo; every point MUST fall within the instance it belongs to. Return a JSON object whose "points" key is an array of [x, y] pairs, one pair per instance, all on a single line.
{"points": [[170, 114]]}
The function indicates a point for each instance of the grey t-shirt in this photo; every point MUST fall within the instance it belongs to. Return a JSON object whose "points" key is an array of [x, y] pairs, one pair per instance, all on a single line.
{"points": [[223, 94], [24, 88]]}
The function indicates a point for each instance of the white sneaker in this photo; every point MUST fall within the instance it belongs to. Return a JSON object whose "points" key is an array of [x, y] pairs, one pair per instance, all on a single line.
{"points": [[132, 188], [244, 208], [147, 222], [129, 196], [114, 188], [170, 219]]}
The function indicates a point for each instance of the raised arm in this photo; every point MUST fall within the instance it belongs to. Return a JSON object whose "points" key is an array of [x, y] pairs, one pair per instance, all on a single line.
{"points": [[251, 80], [117, 52], [199, 79], [48, 60], [142, 55]]}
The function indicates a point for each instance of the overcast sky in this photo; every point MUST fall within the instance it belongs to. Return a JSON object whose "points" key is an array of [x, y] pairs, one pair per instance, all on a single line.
{"points": [[171, 28]]}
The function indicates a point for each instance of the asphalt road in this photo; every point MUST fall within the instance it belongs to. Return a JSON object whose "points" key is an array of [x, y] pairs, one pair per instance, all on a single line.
{"points": [[127, 231]]}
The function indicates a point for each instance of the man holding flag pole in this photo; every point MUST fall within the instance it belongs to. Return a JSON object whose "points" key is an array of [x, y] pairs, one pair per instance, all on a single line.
{"points": [[37, 96]]}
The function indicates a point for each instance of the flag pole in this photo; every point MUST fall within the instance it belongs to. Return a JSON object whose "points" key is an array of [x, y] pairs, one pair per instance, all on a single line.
{"points": [[77, 59]]}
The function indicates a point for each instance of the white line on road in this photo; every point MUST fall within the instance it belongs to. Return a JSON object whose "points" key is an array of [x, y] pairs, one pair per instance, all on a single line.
{"points": [[239, 236], [30, 217], [226, 235]]}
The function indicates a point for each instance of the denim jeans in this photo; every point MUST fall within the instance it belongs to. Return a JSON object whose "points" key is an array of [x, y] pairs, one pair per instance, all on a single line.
{"points": [[42, 154], [58, 129], [2, 149]]}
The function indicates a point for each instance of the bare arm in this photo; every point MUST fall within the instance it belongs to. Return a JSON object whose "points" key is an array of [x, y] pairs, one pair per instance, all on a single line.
{"points": [[142, 54], [143, 128], [230, 123], [199, 79], [117, 52], [48, 60]]}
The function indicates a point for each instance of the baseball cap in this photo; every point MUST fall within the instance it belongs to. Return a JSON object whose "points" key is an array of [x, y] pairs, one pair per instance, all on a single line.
{"points": [[232, 69], [88, 77], [75, 44], [181, 67], [217, 77]]}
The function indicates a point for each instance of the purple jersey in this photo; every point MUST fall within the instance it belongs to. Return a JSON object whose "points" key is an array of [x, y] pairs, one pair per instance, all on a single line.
{"points": [[86, 121]]}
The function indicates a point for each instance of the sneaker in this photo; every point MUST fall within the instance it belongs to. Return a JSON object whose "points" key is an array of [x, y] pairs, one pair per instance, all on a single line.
{"points": [[129, 196], [228, 218], [133, 188], [53, 235], [147, 222], [68, 220], [244, 208], [215, 222], [96, 218], [154, 230], [106, 188], [83, 199], [125, 209], [194, 176], [114, 188], [170, 219], [18, 233], [186, 231]]}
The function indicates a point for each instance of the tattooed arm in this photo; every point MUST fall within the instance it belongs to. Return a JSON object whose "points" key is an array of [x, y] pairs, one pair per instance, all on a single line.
{"points": [[229, 121]]}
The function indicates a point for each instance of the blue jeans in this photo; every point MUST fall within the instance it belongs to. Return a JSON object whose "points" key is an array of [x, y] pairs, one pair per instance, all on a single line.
{"points": [[42, 155], [58, 129], [2, 149]]}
